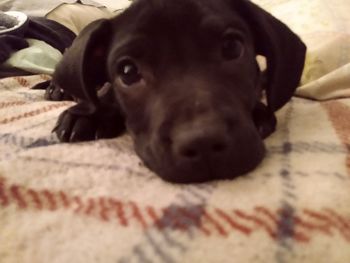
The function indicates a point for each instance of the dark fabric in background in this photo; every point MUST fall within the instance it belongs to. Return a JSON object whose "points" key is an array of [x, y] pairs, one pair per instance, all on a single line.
{"points": [[49, 31]]}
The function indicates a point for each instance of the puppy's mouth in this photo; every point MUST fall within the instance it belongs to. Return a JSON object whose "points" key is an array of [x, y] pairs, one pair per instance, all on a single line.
{"points": [[200, 156]]}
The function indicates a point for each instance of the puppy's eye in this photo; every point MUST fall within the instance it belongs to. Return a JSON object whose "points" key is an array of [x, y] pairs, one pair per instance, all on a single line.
{"points": [[129, 72], [232, 47]]}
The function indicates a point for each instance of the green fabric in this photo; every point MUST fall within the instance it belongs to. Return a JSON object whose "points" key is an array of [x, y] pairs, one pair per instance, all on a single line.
{"points": [[38, 58]]}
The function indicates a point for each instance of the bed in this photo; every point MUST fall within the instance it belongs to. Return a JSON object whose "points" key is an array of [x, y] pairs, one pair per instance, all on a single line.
{"points": [[96, 202]]}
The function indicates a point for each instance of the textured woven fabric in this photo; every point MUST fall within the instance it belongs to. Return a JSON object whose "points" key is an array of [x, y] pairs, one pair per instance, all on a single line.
{"points": [[37, 7], [77, 16], [95, 202]]}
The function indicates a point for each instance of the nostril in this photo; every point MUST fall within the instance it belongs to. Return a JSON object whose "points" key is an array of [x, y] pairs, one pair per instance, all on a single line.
{"points": [[203, 148], [218, 147], [208, 143], [190, 153]]}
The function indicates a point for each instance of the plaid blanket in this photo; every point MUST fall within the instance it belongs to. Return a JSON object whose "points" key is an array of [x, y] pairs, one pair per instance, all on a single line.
{"points": [[95, 201]]}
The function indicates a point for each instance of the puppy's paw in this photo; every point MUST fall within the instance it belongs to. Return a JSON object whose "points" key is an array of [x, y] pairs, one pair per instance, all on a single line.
{"points": [[55, 93], [264, 120], [82, 123], [71, 127]]}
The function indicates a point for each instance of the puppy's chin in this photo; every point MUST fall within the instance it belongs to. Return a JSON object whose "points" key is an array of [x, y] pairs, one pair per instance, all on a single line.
{"points": [[207, 171], [236, 163]]}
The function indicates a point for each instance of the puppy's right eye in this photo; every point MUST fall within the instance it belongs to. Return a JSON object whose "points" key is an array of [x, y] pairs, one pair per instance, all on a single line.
{"points": [[129, 72], [232, 47]]}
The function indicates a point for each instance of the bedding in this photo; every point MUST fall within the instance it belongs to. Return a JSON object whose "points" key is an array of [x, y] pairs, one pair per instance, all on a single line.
{"points": [[37, 7], [95, 201]]}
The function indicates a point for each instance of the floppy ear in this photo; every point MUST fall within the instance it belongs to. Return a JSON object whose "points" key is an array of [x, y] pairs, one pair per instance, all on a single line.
{"points": [[284, 52], [83, 67]]}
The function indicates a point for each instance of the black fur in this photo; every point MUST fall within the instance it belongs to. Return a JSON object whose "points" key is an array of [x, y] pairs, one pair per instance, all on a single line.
{"points": [[194, 111]]}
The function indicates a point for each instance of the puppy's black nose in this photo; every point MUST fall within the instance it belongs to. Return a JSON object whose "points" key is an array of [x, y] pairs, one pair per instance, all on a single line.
{"points": [[210, 148], [201, 144]]}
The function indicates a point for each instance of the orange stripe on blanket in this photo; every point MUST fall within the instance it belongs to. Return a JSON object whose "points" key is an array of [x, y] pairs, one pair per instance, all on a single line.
{"points": [[3, 196], [118, 207], [45, 77], [309, 224], [233, 223], [258, 221], [104, 209], [11, 104], [35, 112], [330, 220], [339, 114], [22, 81]]}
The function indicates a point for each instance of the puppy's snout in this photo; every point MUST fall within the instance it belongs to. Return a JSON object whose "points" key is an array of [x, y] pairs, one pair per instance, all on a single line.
{"points": [[210, 147], [201, 144]]}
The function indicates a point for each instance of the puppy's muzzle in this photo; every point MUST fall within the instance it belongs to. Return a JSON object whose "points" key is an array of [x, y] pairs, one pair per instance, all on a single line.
{"points": [[205, 142], [209, 148]]}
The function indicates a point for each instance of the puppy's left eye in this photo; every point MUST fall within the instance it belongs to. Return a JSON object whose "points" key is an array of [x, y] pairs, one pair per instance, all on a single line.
{"points": [[129, 72], [232, 47]]}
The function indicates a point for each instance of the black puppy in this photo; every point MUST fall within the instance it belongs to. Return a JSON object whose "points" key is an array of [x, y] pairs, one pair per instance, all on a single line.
{"points": [[184, 81]]}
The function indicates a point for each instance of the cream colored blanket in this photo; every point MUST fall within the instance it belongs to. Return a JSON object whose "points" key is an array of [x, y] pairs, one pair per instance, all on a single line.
{"points": [[95, 202]]}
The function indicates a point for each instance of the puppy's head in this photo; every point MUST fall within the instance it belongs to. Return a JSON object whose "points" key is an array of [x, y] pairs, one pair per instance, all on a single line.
{"points": [[185, 75]]}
